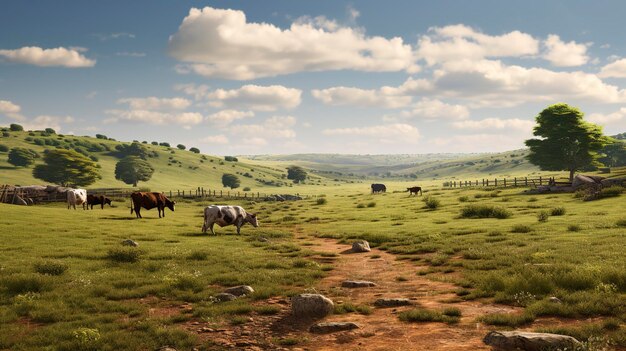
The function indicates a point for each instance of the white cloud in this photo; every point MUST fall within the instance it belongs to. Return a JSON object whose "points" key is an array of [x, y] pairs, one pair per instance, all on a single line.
{"points": [[46, 121], [130, 54], [118, 35], [453, 42], [604, 119], [154, 117], [360, 97], [255, 97], [215, 139], [154, 103], [197, 91], [478, 143], [11, 110], [615, 69], [37, 56], [222, 44], [274, 127], [436, 109], [226, 117], [495, 123], [390, 133], [563, 54]]}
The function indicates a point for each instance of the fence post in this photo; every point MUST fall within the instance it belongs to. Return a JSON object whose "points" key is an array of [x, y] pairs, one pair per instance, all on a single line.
{"points": [[496, 180], [171, 193], [525, 181], [515, 181], [178, 193], [540, 180], [505, 182], [220, 193]]}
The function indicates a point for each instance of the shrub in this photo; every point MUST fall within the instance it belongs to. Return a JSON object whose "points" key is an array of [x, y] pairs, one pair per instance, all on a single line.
{"points": [[521, 228], [125, 254], [425, 315], [464, 199], [573, 228], [246, 188], [431, 202], [4, 148], [321, 201], [360, 206], [50, 268], [16, 127], [21, 157], [198, 256], [371, 204], [23, 283], [543, 216], [485, 211], [195, 150], [557, 211], [611, 191]]}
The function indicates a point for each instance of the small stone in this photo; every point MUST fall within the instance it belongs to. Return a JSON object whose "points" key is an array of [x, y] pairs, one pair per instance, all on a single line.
{"points": [[223, 297], [554, 299], [311, 305], [129, 242], [357, 284], [332, 327], [240, 290], [518, 340], [393, 302], [361, 246]]}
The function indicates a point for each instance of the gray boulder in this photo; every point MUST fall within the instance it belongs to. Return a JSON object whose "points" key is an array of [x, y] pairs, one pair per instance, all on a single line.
{"points": [[393, 302], [332, 327], [129, 242], [613, 181], [583, 181], [224, 297], [516, 340], [361, 246], [311, 305], [356, 284], [240, 290]]}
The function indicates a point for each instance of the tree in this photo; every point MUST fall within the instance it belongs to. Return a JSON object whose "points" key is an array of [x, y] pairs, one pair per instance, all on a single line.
{"points": [[16, 127], [296, 173], [181, 146], [195, 150], [132, 169], [22, 157], [164, 144], [50, 131], [230, 159], [614, 154], [67, 167], [134, 149], [567, 143], [230, 180]]}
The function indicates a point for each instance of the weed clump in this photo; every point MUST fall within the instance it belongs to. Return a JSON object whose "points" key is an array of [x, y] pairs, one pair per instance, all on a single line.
{"points": [[321, 201], [50, 268], [557, 211], [431, 202], [521, 228], [485, 211], [124, 254], [543, 216], [448, 315]]}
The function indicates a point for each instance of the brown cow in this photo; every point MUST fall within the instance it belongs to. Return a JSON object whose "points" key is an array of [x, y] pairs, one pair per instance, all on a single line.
{"points": [[97, 200], [414, 190], [150, 201]]}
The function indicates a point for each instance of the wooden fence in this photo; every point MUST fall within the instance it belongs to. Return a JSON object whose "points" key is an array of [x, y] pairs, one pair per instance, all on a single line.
{"points": [[198, 193], [504, 182]]}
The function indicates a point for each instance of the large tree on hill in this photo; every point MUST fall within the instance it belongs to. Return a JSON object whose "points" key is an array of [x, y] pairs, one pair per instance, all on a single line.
{"points": [[614, 153], [22, 157], [133, 169], [566, 142], [230, 180], [296, 173], [67, 167]]}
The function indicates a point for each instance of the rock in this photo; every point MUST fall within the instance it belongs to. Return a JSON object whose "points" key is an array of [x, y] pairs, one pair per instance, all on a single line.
{"points": [[166, 348], [394, 302], [311, 305], [613, 181], [516, 340], [554, 299], [332, 327], [223, 297], [129, 242], [583, 181], [361, 246], [356, 284], [240, 290]]}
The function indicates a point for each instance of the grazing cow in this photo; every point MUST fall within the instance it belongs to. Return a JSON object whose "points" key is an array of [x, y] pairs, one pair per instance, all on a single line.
{"points": [[97, 200], [150, 201], [378, 188], [414, 190], [227, 215], [76, 197]]}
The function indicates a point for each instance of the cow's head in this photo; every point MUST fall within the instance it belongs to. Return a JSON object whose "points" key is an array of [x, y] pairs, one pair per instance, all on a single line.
{"points": [[107, 201], [251, 218], [170, 204]]}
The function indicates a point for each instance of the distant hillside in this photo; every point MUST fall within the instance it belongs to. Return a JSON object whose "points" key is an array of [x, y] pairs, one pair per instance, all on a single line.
{"points": [[174, 168]]}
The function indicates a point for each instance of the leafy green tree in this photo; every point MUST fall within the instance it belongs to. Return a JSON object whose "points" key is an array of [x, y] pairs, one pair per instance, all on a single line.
{"points": [[134, 149], [164, 144], [567, 142], [296, 173], [195, 150], [67, 167], [50, 131], [181, 146], [614, 154], [16, 127], [230, 180], [133, 169], [230, 159], [22, 157]]}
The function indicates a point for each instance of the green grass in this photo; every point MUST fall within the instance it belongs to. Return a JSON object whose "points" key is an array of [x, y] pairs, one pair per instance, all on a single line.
{"points": [[485, 211], [447, 315]]}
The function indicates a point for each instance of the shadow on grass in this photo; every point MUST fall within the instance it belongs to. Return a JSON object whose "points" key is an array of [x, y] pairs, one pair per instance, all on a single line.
{"points": [[198, 233], [118, 218]]}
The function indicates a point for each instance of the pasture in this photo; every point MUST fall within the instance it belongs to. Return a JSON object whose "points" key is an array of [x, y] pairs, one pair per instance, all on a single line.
{"points": [[65, 279]]}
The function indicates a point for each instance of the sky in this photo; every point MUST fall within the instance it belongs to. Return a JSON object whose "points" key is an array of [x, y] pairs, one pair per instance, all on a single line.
{"points": [[284, 77]]}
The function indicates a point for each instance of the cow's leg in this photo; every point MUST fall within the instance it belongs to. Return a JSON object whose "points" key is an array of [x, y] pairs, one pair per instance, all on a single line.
{"points": [[238, 229], [211, 227], [137, 212]]}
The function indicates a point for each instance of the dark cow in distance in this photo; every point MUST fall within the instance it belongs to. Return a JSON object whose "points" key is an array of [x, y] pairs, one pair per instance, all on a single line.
{"points": [[97, 200], [150, 201], [379, 188], [414, 190]]}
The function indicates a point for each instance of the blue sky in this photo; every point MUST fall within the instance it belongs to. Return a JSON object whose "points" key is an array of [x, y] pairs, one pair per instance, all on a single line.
{"points": [[278, 77]]}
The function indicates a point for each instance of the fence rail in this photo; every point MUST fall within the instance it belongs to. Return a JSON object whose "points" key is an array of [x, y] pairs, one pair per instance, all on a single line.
{"points": [[198, 193], [505, 182]]}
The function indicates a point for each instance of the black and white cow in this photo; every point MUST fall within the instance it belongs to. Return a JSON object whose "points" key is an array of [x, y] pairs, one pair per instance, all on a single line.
{"points": [[227, 215]]}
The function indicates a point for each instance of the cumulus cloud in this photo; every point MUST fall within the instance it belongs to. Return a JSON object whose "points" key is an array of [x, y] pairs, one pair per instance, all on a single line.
{"points": [[130, 54], [11, 110], [198, 92], [255, 97], [112, 36], [360, 97], [37, 56], [564, 54], [450, 43], [226, 117], [436, 109], [280, 127], [478, 143], [389, 133], [47, 121], [220, 43], [495, 123], [154, 117], [215, 139], [154, 103], [615, 69], [604, 119]]}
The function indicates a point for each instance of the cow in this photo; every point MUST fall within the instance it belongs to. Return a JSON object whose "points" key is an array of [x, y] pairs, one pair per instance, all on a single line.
{"points": [[414, 190], [227, 215], [97, 200], [379, 188], [76, 197], [150, 201]]}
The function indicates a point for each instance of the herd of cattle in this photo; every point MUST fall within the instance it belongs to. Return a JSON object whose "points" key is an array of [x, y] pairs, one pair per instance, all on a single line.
{"points": [[214, 214]]}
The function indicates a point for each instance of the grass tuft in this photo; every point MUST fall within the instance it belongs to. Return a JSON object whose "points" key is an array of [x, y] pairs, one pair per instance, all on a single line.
{"points": [[485, 211]]}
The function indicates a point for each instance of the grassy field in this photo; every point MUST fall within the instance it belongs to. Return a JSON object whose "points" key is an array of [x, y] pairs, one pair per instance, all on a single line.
{"points": [[65, 279]]}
